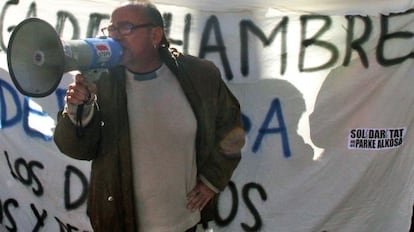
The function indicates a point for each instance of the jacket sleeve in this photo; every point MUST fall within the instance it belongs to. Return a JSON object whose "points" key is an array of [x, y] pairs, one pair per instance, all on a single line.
{"points": [[71, 143], [229, 138]]}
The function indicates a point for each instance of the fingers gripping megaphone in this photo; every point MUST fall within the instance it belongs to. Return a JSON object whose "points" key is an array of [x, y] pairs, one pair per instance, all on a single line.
{"points": [[37, 57]]}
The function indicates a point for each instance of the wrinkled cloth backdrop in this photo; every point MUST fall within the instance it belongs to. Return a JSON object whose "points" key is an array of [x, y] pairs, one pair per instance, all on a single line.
{"points": [[326, 94]]}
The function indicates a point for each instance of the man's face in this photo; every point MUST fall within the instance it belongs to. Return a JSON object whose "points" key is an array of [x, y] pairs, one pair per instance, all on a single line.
{"points": [[138, 44]]}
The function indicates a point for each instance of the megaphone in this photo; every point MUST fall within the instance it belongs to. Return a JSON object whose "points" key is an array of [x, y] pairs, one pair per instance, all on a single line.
{"points": [[37, 57]]}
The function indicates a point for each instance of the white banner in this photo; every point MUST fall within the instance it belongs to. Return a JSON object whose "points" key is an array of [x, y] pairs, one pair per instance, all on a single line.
{"points": [[326, 100]]}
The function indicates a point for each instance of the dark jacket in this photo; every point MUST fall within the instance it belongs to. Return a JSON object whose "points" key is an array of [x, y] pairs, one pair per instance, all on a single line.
{"points": [[106, 140]]}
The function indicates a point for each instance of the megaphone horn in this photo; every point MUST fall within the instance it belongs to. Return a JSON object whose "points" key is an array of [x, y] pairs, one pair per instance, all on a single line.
{"points": [[37, 57]]}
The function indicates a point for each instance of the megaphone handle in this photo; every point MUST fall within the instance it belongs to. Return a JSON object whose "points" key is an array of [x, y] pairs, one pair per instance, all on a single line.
{"points": [[93, 75]]}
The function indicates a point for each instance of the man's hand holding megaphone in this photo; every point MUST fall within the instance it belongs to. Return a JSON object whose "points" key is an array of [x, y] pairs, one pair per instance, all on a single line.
{"points": [[81, 91], [80, 96]]}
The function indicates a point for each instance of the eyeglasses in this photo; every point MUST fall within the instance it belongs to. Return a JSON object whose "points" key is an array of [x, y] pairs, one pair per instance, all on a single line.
{"points": [[124, 29]]}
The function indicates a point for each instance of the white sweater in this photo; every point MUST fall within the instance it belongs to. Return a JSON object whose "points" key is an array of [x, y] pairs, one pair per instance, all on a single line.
{"points": [[163, 130]]}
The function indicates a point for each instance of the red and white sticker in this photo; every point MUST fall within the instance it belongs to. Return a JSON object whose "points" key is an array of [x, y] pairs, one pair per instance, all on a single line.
{"points": [[103, 52]]}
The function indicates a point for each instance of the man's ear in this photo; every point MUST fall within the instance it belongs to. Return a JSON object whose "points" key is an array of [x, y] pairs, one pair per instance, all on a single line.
{"points": [[157, 34]]}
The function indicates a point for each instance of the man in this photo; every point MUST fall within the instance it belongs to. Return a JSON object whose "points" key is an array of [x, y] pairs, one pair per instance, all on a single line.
{"points": [[162, 130]]}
